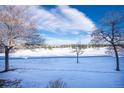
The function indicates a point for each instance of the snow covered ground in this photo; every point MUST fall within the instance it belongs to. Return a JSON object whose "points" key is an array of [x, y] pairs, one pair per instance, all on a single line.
{"points": [[95, 69], [55, 52], [90, 72]]}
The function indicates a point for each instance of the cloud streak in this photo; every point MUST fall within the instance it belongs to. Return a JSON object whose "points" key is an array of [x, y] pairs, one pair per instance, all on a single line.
{"points": [[63, 19]]}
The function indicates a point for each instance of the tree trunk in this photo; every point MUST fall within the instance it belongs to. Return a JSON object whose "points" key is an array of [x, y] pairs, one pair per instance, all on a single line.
{"points": [[6, 58], [117, 58], [77, 58]]}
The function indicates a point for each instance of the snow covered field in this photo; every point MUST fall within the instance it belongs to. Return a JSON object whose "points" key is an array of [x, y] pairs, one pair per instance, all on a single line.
{"points": [[90, 72], [55, 52], [36, 68]]}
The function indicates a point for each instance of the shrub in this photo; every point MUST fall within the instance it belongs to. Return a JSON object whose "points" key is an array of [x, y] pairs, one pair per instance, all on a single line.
{"points": [[56, 84], [10, 84]]}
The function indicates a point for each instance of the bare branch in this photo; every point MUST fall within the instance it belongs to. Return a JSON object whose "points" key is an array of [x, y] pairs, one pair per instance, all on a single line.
{"points": [[16, 24]]}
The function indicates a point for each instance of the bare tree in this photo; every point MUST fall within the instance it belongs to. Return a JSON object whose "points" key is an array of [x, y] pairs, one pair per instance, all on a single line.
{"points": [[16, 26], [78, 50], [110, 33]]}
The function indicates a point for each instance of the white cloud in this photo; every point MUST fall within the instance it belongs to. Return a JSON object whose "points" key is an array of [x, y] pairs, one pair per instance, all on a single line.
{"points": [[63, 19], [59, 41], [85, 39], [76, 20]]}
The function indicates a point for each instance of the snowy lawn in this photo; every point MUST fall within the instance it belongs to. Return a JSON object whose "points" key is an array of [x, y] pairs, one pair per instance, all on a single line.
{"points": [[90, 72], [55, 52]]}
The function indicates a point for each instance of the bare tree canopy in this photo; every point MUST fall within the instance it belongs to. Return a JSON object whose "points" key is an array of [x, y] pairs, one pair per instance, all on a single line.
{"points": [[17, 24], [111, 32], [78, 50]]}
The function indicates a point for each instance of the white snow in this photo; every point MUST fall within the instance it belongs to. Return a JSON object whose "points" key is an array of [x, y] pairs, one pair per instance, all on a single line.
{"points": [[25, 53], [95, 69], [90, 72]]}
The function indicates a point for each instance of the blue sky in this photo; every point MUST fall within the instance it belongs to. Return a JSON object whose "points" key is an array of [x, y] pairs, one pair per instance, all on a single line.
{"points": [[71, 24]]}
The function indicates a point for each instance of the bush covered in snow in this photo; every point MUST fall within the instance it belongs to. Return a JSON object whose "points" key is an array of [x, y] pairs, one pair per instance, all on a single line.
{"points": [[10, 84], [56, 84]]}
